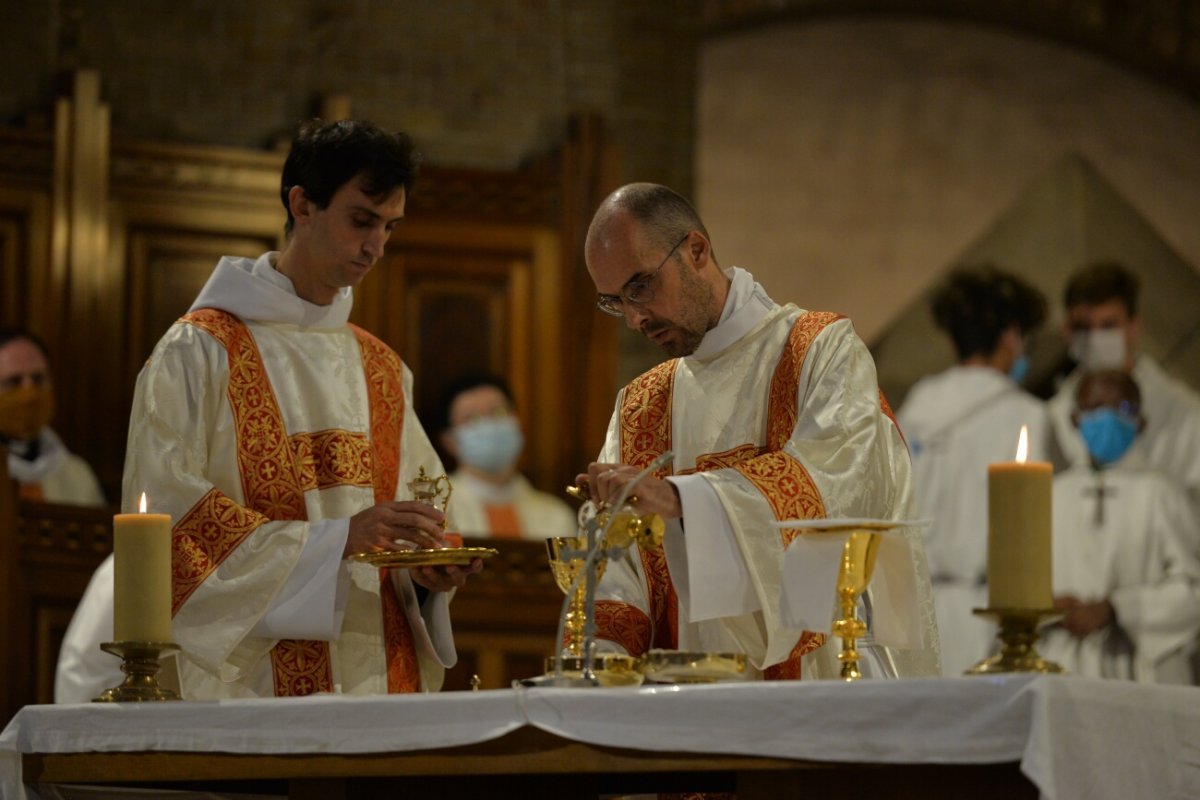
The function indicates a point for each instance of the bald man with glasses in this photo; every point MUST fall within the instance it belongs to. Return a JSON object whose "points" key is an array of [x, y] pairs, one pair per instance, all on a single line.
{"points": [[772, 413]]}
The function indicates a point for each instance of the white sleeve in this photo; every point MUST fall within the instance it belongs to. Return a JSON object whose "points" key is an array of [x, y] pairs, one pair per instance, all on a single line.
{"points": [[312, 602], [707, 555]]}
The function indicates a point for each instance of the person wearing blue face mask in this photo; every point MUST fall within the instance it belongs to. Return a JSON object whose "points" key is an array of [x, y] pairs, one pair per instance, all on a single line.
{"points": [[956, 423], [1125, 576], [1103, 329], [491, 498]]}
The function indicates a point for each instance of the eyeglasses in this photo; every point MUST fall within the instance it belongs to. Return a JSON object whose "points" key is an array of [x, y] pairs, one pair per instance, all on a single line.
{"points": [[637, 291]]}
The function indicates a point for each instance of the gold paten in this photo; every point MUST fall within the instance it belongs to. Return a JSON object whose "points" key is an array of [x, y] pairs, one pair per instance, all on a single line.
{"points": [[680, 666], [1018, 634], [611, 669], [425, 557]]}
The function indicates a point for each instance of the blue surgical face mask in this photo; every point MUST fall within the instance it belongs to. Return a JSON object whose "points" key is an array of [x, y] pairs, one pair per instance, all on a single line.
{"points": [[1019, 368], [1108, 433], [490, 445]]}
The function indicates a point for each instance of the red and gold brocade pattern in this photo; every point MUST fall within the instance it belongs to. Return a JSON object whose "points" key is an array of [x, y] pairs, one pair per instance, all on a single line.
{"points": [[646, 416], [787, 486], [385, 391], [332, 458], [203, 537], [645, 435], [623, 624]]}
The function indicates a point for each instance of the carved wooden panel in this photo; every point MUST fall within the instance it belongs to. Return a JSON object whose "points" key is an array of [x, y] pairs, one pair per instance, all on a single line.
{"points": [[54, 549], [24, 236], [456, 298]]}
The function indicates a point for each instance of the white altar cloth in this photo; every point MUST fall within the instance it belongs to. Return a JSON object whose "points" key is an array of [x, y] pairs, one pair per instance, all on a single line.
{"points": [[1075, 738]]}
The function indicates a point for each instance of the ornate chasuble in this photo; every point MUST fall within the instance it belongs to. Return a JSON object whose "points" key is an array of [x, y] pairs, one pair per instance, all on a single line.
{"points": [[645, 433], [276, 470]]}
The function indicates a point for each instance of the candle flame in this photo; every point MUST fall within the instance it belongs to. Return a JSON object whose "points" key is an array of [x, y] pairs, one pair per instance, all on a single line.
{"points": [[142, 504], [1023, 444]]}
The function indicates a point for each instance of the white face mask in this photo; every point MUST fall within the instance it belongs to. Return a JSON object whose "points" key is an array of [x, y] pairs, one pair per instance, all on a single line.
{"points": [[1099, 349], [490, 445]]}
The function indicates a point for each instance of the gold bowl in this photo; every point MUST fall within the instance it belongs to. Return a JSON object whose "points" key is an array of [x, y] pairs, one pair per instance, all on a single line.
{"points": [[681, 666], [611, 669]]}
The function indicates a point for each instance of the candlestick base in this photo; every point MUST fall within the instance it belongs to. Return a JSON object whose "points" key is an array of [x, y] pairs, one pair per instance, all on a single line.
{"points": [[1018, 636], [139, 662]]}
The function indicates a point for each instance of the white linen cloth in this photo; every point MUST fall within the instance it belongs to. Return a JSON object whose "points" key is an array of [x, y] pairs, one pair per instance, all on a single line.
{"points": [[956, 423], [540, 515], [720, 404], [285, 579], [1121, 534], [1075, 738], [811, 571]]}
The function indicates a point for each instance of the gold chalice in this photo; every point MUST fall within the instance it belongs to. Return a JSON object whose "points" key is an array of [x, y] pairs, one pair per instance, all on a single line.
{"points": [[567, 554], [854, 574], [434, 491]]}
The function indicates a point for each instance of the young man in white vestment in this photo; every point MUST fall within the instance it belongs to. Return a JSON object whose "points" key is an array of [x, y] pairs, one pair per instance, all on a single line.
{"points": [[772, 413], [38, 461], [959, 421], [1103, 328], [1125, 574], [281, 439], [482, 432]]}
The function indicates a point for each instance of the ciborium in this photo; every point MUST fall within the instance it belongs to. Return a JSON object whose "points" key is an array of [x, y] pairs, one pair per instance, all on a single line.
{"points": [[434, 491]]}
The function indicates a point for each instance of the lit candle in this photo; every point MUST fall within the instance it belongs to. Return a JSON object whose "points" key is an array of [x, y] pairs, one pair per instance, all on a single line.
{"points": [[1019, 532], [142, 577]]}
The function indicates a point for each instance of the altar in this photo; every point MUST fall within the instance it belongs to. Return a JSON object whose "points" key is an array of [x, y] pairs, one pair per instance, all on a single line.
{"points": [[1005, 736]]}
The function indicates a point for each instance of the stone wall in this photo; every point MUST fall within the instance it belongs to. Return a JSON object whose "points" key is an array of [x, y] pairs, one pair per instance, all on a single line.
{"points": [[479, 83]]}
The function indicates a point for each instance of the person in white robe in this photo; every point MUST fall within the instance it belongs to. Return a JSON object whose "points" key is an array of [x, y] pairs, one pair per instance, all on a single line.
{"points": [[491, 498], [84, 670], [38, 461], [281, 440], [1125, 575], [956, 423], [772, 413], [1103, 328]]}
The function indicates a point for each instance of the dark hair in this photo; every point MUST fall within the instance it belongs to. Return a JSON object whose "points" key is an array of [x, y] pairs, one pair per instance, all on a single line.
{"points": [[1117, 376], [466, 383], [17, 334], [664, 213], [975, 306], [1102, 282], [327, 155]]}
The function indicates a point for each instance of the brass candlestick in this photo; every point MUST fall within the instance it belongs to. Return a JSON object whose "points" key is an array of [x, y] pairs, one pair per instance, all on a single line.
{"points": [[139, 662], [1018, 636]]}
